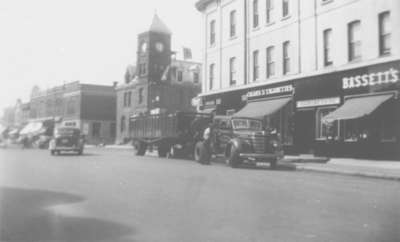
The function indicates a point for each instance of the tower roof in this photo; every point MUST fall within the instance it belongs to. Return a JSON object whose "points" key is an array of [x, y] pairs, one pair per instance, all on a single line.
{"points": [[159, 26]]}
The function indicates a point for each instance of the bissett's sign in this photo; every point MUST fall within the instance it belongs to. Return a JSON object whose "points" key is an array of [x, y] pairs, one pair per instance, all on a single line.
{"points": [[372, 79], [269, 91]]}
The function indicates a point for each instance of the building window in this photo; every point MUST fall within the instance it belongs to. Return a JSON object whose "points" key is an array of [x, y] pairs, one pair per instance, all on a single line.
{"points": [[269, 9], [255, 13], [212, 32], [232, 71], [325, 130], [211, 76], [180, 76], [286, 57], [141, 95], [327, 47], [385, 30], [122, 126], [127, 99], [282, 121], [196, 77], [255, 65], [96, 126], [142, 69], [270, 62], [285, 8], [354, 38], [232, 20]]}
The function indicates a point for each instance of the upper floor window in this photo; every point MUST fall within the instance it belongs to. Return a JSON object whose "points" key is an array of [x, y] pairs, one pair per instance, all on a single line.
{"points": [[327, 47], [180, 76], [385, 30], [286, 57], [285, 8], [232, 21], [232, 71], [211, 76], [270, 62], [269, 9], [354, 40], [255, 65], [212, 32], [142, 69], [196, 77], [141, 95], [255, 13]]}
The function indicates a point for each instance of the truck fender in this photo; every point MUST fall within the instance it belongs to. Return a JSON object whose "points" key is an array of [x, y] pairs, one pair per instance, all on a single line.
{"points": [[233, 143]]}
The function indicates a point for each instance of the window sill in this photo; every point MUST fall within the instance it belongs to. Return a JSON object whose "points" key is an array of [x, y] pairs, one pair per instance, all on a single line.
{"points": [[256, 28], [326, 2], [286, 17], [212, 46], [383, 55], [269, 24], [357, 60], [233, 37]]}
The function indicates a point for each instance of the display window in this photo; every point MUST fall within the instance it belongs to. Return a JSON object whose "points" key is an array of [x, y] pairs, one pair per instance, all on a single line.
{"points": [[281, 121], [326, 130]]}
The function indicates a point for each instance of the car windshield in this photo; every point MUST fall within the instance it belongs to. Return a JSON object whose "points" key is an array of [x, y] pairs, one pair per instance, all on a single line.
{"points": [[247, 124], [66, 132]]}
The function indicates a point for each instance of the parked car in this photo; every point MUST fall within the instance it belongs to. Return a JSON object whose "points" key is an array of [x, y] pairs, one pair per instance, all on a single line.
{"points": [[240, 140], [174, 134], [67, 139]]}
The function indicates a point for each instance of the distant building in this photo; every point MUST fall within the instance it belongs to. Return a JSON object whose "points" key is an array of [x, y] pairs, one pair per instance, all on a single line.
{"points": [[86, 106], [161, 83], [22, 113]]}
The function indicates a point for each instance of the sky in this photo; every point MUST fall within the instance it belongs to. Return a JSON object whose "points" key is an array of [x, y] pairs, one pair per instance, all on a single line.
{"points": [[49, 42]]}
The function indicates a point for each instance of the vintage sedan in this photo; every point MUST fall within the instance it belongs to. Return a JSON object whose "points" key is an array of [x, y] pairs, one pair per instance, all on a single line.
{"points": [[67, 139]]}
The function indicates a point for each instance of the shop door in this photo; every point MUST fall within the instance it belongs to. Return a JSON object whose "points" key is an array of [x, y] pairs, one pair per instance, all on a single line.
{"points": [[305, 131]]}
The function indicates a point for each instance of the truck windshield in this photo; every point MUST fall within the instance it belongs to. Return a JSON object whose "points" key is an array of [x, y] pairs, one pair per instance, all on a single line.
{"points": [[247, 124]]}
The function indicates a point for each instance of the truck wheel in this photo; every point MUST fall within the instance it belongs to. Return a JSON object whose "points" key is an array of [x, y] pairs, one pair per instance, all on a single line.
{"points": [[201, 153], [162, 151], [141, 148], [273, 164], [234, 158]]}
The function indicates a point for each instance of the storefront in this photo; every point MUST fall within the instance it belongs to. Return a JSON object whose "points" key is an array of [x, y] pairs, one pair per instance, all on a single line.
{"points": [[353, 113]]}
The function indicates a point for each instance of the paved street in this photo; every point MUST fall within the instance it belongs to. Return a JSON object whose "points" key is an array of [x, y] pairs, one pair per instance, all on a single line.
{"points": [[111, 195]]}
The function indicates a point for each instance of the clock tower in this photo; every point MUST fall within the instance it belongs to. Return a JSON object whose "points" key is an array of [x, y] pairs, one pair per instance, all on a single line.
{"points": [[154, 52]]}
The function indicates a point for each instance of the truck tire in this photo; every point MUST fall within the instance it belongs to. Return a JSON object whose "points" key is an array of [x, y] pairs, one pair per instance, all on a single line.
{"points": [[201, 154], [162, 150], [234, 159], [273, 164], [141, 148]]}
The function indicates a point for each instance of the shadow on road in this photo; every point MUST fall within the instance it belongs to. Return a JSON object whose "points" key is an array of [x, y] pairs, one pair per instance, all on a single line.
{"points": [[279, 167], [24, 218], [75, 154]]}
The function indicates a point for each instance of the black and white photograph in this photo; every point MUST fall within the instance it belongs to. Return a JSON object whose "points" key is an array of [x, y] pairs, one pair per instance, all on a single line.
{"points": [[200, 121]]}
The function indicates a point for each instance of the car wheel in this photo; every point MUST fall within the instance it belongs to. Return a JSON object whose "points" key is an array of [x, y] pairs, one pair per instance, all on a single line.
{"points": [[141, 148], [234, 159]]}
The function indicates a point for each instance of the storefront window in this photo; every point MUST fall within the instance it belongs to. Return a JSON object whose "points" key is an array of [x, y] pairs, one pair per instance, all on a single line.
{"points": [[282, 122], [326, 130]]}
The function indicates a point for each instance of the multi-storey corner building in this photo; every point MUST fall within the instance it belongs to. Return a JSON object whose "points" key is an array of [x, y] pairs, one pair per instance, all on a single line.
{"points": [[324, 73], [160, 83], [86, 106]]}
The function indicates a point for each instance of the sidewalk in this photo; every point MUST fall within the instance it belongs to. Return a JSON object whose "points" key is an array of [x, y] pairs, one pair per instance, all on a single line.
{"points": [[355, 167], [346, 166]]}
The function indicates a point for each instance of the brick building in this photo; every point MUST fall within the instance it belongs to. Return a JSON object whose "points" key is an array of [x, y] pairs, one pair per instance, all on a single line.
{"points": [[160, 84]]}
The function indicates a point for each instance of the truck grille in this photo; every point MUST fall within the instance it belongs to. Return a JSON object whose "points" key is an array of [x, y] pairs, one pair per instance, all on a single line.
{"points": [[257, 142]]}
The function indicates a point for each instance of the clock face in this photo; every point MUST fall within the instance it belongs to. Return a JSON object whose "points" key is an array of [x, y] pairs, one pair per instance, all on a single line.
{"points": [[159, 47], [144, 47]]}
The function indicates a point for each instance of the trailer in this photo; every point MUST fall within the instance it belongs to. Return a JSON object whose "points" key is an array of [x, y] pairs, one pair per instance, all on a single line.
{"points": [[174, 134]]}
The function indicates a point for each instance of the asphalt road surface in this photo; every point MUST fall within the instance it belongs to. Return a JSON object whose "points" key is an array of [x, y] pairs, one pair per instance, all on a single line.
{"points": [[113, 196]]}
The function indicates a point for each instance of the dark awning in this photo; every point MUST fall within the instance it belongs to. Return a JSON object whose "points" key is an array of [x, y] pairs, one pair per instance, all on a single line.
{"points": [[262, 108], [357, 107]]}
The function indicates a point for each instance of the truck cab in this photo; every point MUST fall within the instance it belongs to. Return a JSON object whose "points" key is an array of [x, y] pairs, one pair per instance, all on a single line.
{"points": [[244, 140]]}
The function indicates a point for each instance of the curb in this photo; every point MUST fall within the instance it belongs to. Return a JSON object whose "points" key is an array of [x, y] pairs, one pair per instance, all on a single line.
{"points": [[350, 173]]}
